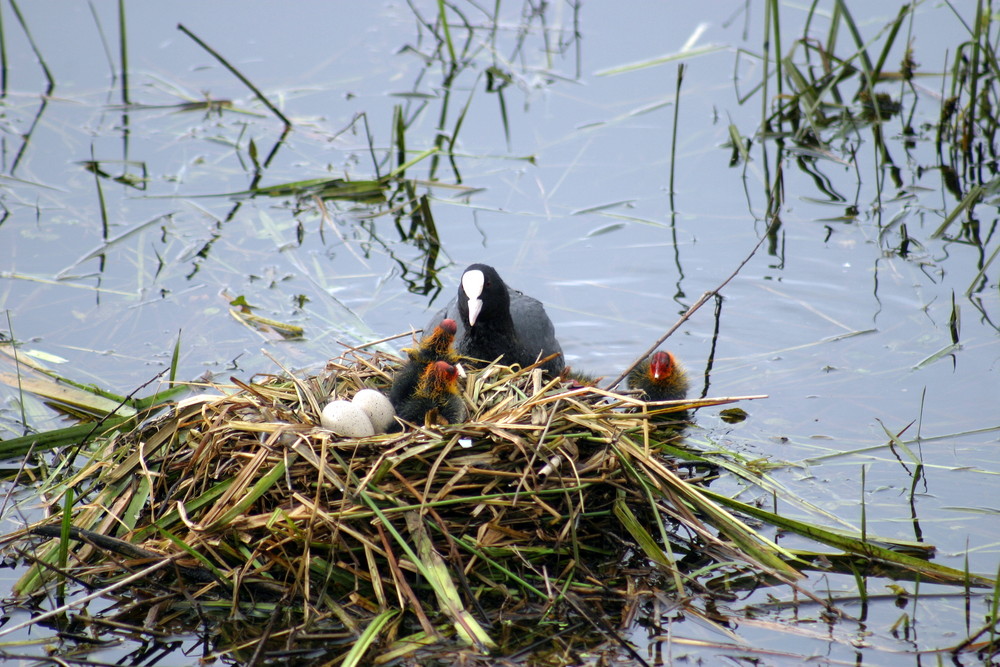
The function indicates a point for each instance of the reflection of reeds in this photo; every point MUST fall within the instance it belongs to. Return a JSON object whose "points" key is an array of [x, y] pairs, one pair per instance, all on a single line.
{"points": [[34, 47], [819, 96], [967, 133], [551, 492], [239, 75]]}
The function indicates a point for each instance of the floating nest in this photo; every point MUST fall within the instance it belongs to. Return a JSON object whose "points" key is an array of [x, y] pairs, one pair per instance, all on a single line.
{"points": [[553, 503]]}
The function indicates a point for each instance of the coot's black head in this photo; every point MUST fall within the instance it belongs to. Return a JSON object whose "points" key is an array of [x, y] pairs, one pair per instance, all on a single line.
{"points": [[483, 297]]}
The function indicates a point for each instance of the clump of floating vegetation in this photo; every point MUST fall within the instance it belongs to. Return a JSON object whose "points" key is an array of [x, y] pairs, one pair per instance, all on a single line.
{"points": [[556, 508]]}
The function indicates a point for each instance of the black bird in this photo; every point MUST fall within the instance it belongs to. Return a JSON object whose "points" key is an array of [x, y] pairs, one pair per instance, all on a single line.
{"points": [[660, 377], [497, 321], [437, 346], [437, 391]]}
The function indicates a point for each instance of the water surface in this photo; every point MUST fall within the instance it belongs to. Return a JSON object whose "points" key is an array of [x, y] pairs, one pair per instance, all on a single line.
{"points": [[564, 188]]}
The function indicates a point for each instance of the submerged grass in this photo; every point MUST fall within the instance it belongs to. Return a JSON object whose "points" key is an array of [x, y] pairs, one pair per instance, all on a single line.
{"points": [[101, 412], [555, 504]]}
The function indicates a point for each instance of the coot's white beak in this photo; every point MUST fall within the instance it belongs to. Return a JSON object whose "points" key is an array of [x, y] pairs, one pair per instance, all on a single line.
{"points": [[472, 285]]}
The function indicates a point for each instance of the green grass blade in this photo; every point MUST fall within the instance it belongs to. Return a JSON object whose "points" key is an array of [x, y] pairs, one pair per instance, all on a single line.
{"points": [[641, 535], [467, 627], [754, 547], [63, 437], [851, 544], [174, 357], [970, 200], [367, 639], [662, 60], [262, 486], [435, 569]]}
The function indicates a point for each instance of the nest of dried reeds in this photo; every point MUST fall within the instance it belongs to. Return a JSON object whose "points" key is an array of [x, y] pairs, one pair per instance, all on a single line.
{"points": [[541, 500]]}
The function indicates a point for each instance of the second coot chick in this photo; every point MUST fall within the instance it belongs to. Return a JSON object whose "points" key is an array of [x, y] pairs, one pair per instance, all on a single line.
{"points": [[437, 390], [497, 321], [660, 377], [435, 347]]}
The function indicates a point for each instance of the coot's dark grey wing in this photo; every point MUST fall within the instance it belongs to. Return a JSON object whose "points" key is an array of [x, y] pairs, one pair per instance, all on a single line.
{"points": [[441, 315], [535, 329], [449, 311]]}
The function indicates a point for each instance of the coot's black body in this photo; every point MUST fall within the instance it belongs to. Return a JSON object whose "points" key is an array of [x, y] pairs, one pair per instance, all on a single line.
{"points": [[496, 321]]}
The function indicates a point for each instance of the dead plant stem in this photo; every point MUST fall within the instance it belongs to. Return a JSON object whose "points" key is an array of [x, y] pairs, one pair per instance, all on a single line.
{"points": [[697, 304]]}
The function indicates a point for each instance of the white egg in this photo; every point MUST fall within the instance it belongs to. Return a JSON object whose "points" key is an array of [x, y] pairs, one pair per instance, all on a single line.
{"points": [[346, 419], [376, 405]]}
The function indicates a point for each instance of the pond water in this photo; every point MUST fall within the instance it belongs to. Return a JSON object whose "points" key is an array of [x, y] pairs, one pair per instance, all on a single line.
{"points": [[562, 181]]}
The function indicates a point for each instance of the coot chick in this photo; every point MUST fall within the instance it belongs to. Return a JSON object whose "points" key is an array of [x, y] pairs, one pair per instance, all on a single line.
{"points": [[660, 377], [497, 321], [437, 346], [437, 391], [575, 379]]}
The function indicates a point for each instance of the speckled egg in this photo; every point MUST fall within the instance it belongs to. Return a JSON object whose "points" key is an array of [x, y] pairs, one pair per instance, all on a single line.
{"points": [[376, 405], [346, 419]]}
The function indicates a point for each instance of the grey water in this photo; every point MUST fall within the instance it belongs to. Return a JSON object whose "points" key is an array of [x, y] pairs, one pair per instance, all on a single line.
{"points": [[561, 179]]}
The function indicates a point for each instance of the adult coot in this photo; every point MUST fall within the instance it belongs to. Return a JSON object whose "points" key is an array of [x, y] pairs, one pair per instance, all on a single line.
{"points": [[660, 377], [437, 346], [497, 321], [437, 390]]}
